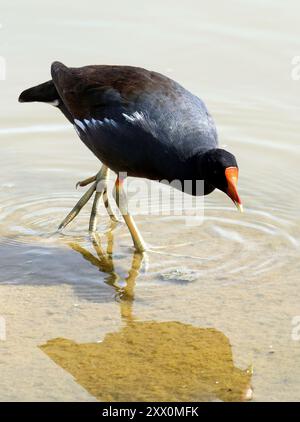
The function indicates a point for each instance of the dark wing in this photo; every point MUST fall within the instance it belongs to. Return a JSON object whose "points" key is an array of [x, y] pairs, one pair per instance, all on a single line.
{"points": [[93, 91], [130, 117]]}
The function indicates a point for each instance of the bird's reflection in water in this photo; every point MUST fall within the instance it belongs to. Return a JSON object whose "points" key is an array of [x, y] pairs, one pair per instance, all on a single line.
{"points": [[104, 262], [150, 361]]}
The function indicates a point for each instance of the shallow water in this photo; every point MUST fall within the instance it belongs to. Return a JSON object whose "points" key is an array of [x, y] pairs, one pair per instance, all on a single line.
{"points": [[227, 285]]}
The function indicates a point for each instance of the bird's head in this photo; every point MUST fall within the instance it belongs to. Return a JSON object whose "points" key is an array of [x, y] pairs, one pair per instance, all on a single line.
{"points": [[221, 172]]}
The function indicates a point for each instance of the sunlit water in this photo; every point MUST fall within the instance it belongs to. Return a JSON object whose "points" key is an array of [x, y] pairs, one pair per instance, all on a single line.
{"points": [[227, 282]]}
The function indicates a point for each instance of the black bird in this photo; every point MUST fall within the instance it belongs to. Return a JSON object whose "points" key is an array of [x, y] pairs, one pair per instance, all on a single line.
{"points": [[140, 123]]}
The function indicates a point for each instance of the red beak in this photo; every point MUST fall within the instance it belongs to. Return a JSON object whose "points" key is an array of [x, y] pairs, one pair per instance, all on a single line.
{"points": [[232, 175]]}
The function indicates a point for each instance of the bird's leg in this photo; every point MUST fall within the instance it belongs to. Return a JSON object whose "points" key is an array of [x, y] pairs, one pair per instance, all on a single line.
{"points": [[80, 204], [87, 181], [83, 200], [101, 185], [121, 200], [109, 209]]}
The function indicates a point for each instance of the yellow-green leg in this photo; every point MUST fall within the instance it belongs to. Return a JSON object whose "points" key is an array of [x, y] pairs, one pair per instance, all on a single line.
{"points": [[78, 207], [85, 198], [121, 200], [108, 207], [101, 184]]}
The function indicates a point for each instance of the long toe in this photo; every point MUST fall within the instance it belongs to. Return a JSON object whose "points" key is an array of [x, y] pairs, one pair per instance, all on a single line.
{"points": [[86, 182]]}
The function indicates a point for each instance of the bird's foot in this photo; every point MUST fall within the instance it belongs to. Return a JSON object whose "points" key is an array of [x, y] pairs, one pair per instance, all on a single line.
{"points": [[109, 209], [87, 181], [99, 187], [78, 207]]}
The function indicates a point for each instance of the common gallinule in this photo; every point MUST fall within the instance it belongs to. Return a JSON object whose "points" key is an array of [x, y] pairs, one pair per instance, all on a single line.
{"points": [[139, 123]]}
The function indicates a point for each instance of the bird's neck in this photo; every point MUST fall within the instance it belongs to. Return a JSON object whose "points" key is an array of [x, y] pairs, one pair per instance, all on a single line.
{"points": [[200, 170], [191, 175]]}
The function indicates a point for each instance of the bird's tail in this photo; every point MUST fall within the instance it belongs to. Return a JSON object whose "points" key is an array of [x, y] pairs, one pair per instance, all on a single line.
{"points": [[45, 93]]}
